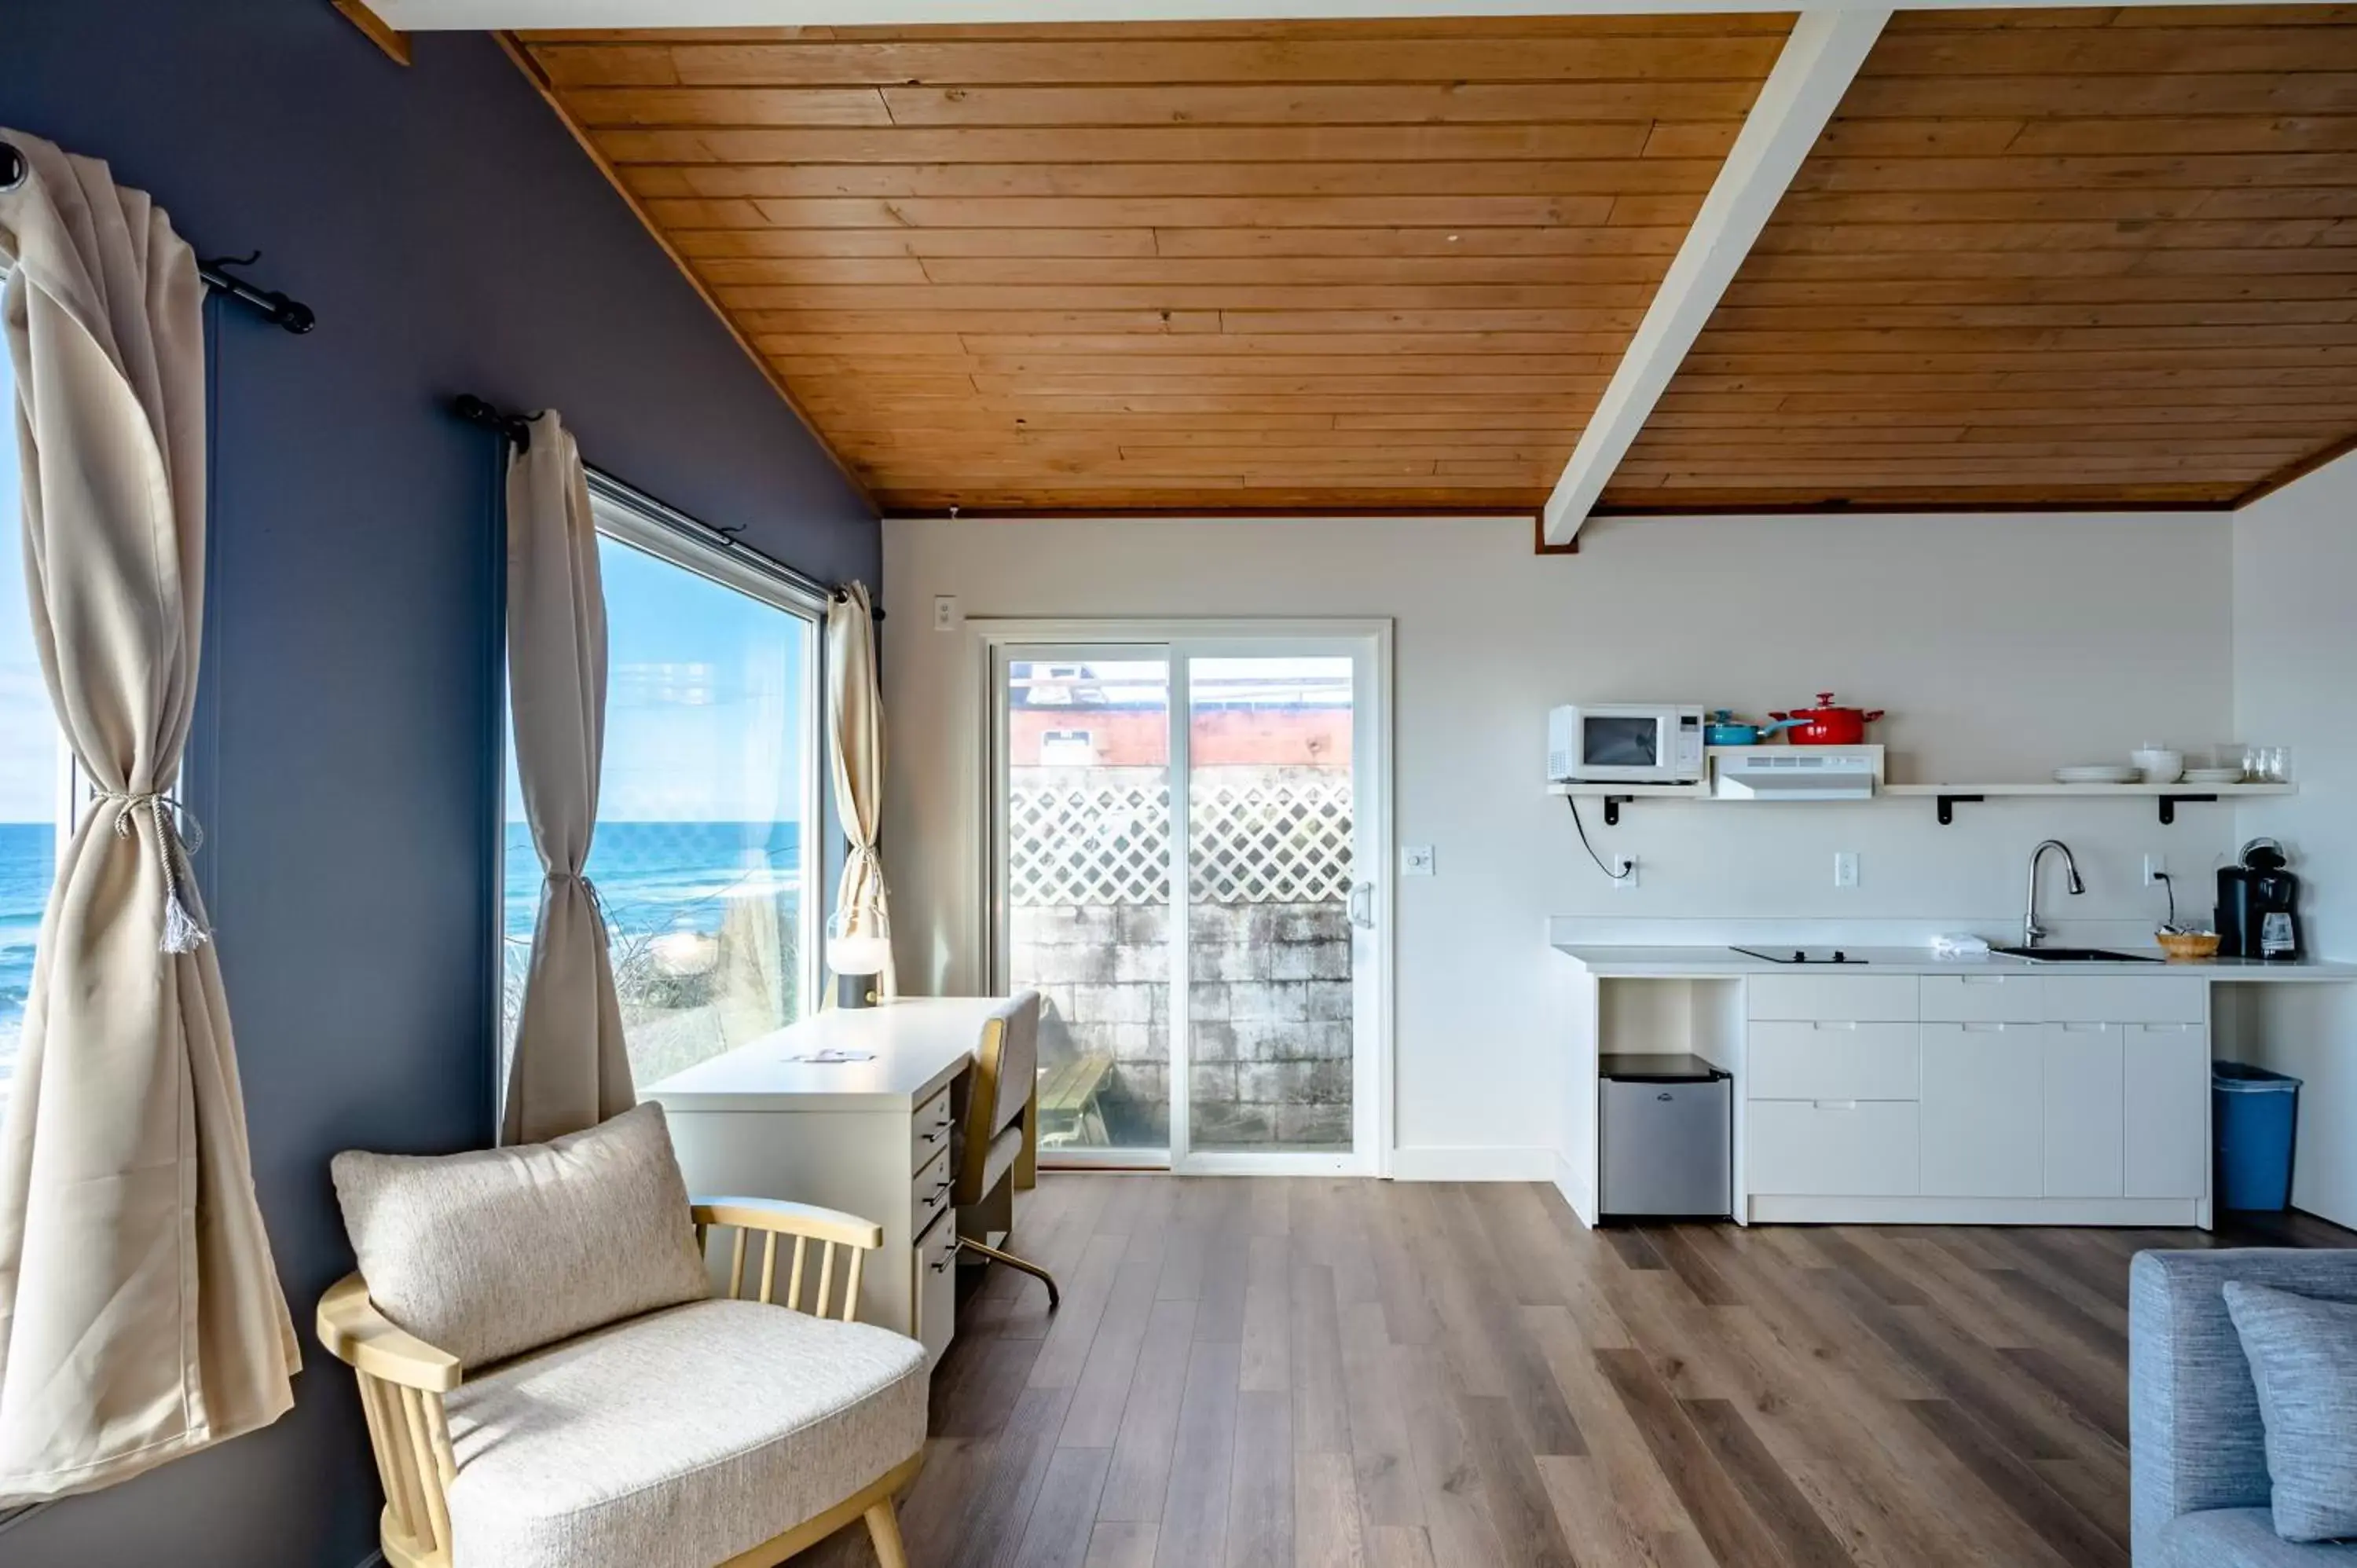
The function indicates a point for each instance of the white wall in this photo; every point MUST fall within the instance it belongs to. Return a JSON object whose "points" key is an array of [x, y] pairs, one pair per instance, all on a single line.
{"points": [[2296, 686], [2004, 647]]}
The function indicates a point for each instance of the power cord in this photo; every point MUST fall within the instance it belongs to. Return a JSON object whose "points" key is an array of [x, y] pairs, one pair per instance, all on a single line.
{"points": [[1619, 875]]}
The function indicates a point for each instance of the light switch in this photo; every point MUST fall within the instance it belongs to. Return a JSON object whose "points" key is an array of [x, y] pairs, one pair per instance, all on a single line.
{"points": [[1415, 860], [1844, 868]]}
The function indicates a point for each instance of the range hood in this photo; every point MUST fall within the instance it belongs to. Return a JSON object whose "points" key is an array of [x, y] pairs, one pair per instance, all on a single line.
{"points": [[1791, 773]]}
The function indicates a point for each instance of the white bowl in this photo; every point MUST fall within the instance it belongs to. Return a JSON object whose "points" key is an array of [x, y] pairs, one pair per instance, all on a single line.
{"points": [[2158, 766]]}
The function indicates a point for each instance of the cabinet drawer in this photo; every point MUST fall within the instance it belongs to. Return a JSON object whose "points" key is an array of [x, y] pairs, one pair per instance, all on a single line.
{"points": [[1982, 999], [1844, 998], [930, 1193], [933, 1292], [2125, 999], [1860, 1148], [1821, 1060], [928, 1131]]}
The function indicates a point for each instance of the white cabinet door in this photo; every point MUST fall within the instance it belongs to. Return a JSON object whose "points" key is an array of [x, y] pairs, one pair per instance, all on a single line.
{"points": [[1982, 1125], [1852, 1148], [2082, 1097], [2168, 1104]]}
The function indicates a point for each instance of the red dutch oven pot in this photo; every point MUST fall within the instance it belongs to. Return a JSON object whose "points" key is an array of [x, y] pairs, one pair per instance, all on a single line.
{"points": [[1826, 724]]}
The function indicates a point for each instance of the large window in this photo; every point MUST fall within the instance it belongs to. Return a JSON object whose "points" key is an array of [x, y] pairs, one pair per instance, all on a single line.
{"points": [[32, 766], [707, 818]]}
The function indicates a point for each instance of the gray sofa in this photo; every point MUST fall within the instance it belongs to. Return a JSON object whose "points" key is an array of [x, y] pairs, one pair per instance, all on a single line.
{"points": [[2198, 1452]]}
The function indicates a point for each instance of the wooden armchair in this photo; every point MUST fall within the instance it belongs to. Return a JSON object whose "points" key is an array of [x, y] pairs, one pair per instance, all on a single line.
{"points": [[412, 1393]]}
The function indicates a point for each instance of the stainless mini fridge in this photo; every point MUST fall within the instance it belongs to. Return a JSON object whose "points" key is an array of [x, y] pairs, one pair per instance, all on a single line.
{"points": [[1665, 1130]]}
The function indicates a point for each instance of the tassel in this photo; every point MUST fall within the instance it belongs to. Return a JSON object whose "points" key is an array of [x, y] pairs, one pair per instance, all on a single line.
{"points": [[181, 931]]}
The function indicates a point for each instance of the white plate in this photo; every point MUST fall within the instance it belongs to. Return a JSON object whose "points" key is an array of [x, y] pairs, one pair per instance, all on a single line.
{"points": [[2108, 773], [2213, 776]]}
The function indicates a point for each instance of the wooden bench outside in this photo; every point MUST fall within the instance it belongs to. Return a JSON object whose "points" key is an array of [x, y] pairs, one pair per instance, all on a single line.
{"points": [[1068, 1101]]}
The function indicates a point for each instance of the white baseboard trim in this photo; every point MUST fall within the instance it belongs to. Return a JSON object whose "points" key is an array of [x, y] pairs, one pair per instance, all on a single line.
{"points": [[2162, 1212], [1473, 1165], [1570, 1181]]}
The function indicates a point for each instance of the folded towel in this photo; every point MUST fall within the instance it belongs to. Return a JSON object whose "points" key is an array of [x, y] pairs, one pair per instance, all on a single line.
{"points": [[1959, 944]]}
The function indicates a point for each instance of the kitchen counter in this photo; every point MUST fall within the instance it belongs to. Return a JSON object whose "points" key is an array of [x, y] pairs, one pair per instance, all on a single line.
{"points": [[1605, 961]]}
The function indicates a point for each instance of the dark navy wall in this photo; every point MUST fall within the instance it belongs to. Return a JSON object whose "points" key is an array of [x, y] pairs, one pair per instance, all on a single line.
{"points": [[452, 238]]}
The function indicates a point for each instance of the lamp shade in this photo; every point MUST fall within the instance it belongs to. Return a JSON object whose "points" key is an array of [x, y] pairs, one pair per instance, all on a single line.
{"points": [[858, 952]]}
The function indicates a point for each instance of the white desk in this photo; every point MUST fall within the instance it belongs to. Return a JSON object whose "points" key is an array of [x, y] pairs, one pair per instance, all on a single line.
{"points": [[870, 1137]]}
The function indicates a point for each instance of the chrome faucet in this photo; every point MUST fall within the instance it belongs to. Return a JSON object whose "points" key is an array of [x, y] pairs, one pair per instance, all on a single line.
{"points": [[2030, 929]]}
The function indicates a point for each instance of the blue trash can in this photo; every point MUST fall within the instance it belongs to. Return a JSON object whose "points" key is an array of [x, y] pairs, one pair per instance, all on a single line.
{"points": [[2252, 1111]]}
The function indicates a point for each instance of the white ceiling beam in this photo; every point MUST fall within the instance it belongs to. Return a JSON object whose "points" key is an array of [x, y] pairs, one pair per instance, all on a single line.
{"points": [[477, 15], [1819, 61]]}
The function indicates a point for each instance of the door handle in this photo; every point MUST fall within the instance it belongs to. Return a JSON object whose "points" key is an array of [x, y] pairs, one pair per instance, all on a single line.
{"points": [[1362, 905]]}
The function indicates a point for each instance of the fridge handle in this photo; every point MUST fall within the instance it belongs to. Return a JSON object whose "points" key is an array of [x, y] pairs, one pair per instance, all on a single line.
{"points": [[1362, 905]]}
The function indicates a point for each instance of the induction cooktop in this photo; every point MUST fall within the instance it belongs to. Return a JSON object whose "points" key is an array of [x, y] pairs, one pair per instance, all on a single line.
{"points": [[1798, 955]]}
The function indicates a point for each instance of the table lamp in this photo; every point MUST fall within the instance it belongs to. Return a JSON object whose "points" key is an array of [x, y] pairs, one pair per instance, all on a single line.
{"points": [[856, 956]]}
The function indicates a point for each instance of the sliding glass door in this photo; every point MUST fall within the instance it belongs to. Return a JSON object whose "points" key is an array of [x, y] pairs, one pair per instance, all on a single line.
{"points": [[1184, 847]]}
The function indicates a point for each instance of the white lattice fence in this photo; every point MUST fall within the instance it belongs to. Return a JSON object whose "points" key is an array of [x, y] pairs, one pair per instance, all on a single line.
{"points": [[1287, 841]]}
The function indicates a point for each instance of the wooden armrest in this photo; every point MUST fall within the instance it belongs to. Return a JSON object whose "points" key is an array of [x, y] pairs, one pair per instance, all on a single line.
{"points": [[790, 1219], [357, 1335]]}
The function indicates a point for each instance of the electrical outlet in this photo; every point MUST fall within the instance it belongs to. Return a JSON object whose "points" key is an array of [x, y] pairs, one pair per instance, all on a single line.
{"points": [[2156, 867], [1845, 868], [1415, 860], [1627, 879], [945, 612]]}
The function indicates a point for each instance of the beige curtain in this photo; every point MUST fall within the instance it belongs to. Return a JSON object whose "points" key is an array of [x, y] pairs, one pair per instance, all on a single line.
{"points": [[140, 1315], [854, 707], [570, 1070]]}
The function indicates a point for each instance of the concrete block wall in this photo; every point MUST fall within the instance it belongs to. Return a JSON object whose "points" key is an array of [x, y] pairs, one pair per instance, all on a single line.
{"points": [[1268, 997]]}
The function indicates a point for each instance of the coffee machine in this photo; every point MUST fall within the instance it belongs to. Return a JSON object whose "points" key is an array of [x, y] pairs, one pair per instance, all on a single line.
{"points": [[2258, 905]]}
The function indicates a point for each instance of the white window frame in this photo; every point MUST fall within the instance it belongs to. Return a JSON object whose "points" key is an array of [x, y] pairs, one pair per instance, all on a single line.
{"points": [[646, 525]]}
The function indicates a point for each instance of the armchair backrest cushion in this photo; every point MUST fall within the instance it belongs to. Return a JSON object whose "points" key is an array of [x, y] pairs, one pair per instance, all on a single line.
{"points": [[497, 1252], [2196, 1438]]}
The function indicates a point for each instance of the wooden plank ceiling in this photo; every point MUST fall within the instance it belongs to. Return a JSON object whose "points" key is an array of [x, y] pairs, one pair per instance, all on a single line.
{"points": [[1205, 267], [2087, 257]]}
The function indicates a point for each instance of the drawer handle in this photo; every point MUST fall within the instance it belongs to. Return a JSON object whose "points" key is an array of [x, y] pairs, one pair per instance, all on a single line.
{"points": [[932, 1135], [1836, 1104], [1982, 979], [1828, 1024], [1984, 1028], [937, 1267]]}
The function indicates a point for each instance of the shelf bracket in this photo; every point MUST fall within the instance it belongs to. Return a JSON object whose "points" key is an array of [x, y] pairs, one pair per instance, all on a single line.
{"points": [[2169, 804], [1612, 804], [1948, 805]]}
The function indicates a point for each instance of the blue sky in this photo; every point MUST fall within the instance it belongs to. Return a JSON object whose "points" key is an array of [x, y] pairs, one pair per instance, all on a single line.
{"points": [[703, 704], [29, 744]]}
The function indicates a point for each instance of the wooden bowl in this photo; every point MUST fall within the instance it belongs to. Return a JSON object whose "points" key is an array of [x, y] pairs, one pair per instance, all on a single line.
{"points": [[2189, 945]]}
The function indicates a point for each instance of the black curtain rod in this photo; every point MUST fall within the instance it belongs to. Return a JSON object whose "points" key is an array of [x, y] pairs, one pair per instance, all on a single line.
{"points": [[292, 314], [516, 428]]}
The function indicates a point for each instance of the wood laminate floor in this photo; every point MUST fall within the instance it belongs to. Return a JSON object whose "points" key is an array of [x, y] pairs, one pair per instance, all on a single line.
{"points": [[1393, 1375]]}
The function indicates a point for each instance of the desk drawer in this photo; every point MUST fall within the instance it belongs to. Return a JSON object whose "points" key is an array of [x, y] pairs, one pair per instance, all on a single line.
{"points": [[1867, 998], [930, 1193], [1830, 1062], [928, 1131], [933, 1292]]}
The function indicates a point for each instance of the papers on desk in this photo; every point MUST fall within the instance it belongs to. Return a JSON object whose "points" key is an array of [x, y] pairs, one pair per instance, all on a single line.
{"points": [[830, 1055]]}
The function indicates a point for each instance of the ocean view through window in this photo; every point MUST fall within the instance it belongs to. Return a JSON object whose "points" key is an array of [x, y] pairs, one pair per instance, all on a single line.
{"points": [[32, 775], [708, 785]]}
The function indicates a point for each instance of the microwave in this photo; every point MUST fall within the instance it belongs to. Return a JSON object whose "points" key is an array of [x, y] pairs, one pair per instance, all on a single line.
{"points": [[1625, 743]]}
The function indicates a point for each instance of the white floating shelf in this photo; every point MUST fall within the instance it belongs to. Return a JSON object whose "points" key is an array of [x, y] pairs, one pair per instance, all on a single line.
{"points": [[1949, 796], [1993, 790]]}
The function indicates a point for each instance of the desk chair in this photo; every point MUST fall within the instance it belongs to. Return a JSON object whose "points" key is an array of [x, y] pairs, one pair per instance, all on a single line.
{"points": [[990, 1141]]}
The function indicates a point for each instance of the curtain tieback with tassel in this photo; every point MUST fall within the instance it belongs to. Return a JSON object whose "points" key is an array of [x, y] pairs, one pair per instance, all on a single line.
{"points": [[177, 836]]}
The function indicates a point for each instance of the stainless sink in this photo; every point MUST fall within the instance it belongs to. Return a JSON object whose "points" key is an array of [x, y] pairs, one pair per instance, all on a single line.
{"points": [[2074, 955]]}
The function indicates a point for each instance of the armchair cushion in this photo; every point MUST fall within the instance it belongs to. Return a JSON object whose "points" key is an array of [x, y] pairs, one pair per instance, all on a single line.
{"points": [[2196, 1439], [677, 1440], [496, 1251], [2236, 1538], [2303, 1358]]}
